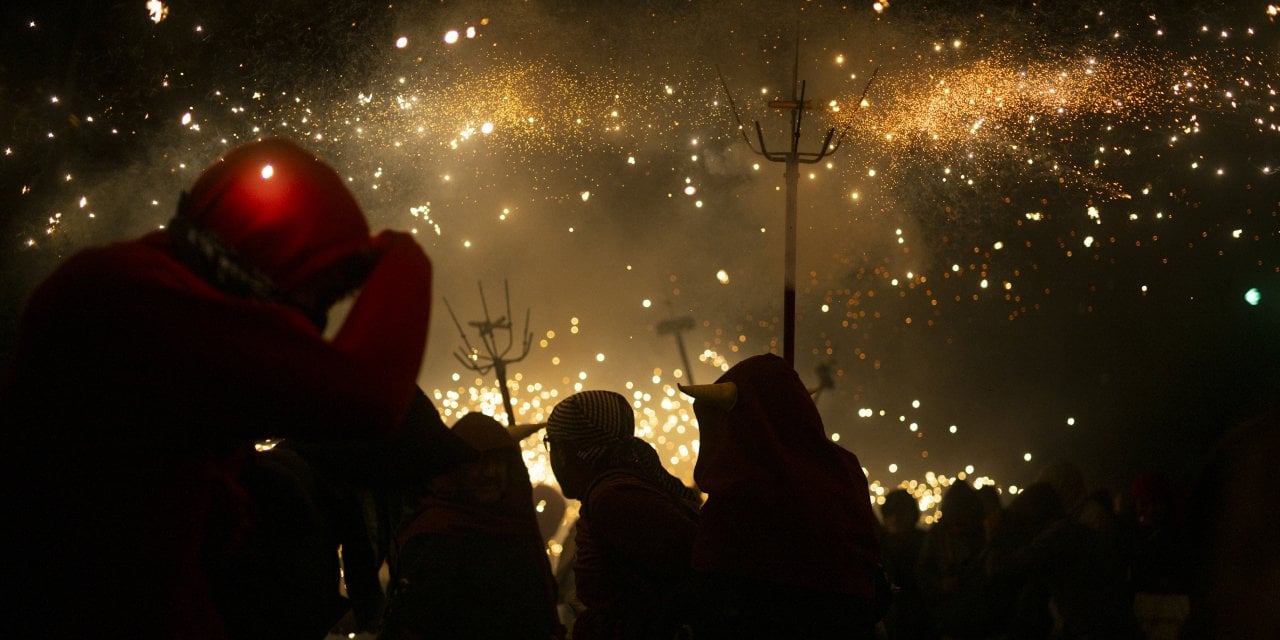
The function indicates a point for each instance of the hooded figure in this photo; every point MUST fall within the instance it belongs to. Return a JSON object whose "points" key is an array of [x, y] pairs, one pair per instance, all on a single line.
{"points": [[786, 543], [636, 525], [471, 563], [145, 371]]}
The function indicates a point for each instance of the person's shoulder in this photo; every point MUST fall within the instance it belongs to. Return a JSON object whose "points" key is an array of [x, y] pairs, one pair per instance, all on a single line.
{"points": [[105, 265], [616, 480], [619, 486]]}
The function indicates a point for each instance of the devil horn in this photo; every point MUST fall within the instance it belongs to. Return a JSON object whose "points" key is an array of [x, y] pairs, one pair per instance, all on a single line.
{"points": [[721, 394], [521, 431]]}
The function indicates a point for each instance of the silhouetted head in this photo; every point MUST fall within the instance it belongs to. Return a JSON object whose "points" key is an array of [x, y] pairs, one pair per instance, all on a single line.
{"points": [[485, 480], [754, 419], [1030, 512], [270, 219], [900, 511], [583, 432], [961, 508], [1068, 482]]}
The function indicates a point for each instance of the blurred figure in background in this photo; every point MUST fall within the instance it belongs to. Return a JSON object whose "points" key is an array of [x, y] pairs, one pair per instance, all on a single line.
{"points": [[952, 565], [1160, 566], [787, 543], [1019, 598], [635, 529], [472, 563], [992, 510], [1234, 524], [900, 544], [1074, 561]]}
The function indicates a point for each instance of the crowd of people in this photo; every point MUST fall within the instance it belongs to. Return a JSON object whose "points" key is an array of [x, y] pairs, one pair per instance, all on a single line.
{"points": [[149, 374]]}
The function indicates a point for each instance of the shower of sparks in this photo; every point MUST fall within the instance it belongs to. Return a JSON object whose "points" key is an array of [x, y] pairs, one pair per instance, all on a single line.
{"points": [[1008, 109], [983, 168]]}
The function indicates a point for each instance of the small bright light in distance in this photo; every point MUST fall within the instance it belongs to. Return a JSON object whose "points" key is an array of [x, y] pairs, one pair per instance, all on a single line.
{"points": [[268, 171], [451, 37], [1253, 296], [402, 42]]}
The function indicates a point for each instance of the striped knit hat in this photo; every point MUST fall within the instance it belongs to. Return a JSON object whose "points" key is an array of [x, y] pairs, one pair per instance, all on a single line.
{"points": [[594, 421], [601, 425]]}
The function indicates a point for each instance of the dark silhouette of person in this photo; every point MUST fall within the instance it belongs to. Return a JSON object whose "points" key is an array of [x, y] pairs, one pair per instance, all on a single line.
{"points": [[471, 563], [1160, 554], [1074, 561], [1023, 600], [1234, 522], [786, 544], [636, 524], [901, 540], [146, 370], [951, 567], [992, 509], [313, 497]]}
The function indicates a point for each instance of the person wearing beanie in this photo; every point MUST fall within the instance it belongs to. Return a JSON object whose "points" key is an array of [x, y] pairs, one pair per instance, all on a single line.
{"points": [[145, 371], [636, 524]]}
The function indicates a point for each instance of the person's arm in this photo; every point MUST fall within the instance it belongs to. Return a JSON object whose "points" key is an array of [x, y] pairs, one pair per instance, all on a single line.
{"points": [[252, 367]]}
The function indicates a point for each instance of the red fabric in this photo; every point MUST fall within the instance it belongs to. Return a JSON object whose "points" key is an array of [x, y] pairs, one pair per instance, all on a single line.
{"points": [[144, 342], [512, 514], [135, 389], [784, 503], [282, 209], [633, 547]]}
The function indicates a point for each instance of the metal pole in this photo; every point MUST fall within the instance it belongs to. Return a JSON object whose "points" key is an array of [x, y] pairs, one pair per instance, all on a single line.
{"points": [[500, 368], [789, 293], [684, 357]]}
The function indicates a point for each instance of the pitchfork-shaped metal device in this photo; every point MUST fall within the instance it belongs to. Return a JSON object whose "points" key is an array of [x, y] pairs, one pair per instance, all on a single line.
{"points": [[496, 348]]}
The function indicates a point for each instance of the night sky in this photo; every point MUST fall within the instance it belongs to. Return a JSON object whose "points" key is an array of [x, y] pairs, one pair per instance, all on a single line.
{"points": [[1052, 226]]}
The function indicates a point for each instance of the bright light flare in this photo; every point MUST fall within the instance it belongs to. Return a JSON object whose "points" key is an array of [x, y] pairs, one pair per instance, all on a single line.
{"points": [[158, 10]]}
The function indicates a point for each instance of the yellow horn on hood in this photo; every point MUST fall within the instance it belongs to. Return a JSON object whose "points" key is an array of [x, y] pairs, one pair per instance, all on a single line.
{"points": [[721, 394], [522, 431]]}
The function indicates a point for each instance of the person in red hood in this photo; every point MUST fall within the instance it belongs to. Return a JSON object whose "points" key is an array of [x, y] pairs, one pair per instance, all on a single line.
{"points": [[471, 562], [146, 370], [786, 544]]}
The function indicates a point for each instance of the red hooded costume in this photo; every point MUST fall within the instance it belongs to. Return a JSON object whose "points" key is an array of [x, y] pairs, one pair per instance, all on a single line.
{"points": [[145, 370], [787, 511], [471, 563]]}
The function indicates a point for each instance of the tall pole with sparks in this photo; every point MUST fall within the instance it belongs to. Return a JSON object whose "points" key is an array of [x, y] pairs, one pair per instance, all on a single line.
{"points": [[793, 159], [495, 357]]}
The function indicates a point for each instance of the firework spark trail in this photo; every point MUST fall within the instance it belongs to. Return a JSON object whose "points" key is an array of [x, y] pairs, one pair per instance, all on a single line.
{"points": [[1005, 108], [525, 107]]}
